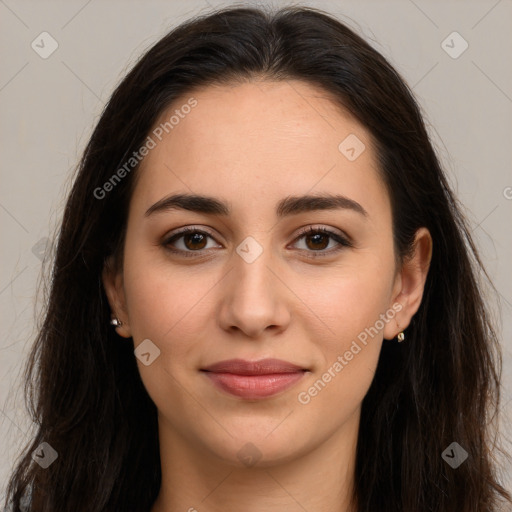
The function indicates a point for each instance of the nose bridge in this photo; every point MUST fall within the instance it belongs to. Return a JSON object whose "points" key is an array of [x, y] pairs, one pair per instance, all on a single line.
{"points": [[254, 257], [252, 299], [252, 276]]}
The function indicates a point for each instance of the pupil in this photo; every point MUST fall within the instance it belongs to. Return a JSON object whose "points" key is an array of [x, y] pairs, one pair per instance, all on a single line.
{"points": [[196, 239], [316, 237]]}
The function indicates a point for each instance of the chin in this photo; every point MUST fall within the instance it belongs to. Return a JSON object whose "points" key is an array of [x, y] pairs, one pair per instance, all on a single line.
{"points": [[252, 449]]}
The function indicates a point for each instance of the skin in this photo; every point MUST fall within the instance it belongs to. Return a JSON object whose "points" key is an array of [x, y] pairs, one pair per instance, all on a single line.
{"points": [[253, 145]]}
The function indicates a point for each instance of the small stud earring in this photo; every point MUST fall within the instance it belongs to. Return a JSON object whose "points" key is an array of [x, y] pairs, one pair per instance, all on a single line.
{"points": [[401, 337], [116, 322]]}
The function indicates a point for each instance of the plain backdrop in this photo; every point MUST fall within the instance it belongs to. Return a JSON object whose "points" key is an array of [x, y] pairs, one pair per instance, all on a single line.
{"points": [[48, 107]]}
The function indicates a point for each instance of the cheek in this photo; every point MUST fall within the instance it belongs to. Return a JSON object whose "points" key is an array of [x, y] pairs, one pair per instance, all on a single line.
{"points": [[355, 308], [350, 299], [167, 304], [333, 309]]}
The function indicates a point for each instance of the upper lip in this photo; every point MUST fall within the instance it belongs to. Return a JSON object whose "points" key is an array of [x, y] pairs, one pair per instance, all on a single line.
{"points": [[261, 367]]}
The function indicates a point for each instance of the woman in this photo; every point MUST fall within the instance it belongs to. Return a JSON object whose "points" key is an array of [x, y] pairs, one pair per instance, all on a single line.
{"points": [[264, 295]]}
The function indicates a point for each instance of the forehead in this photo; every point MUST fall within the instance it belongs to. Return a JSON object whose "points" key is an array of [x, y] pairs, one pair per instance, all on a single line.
{"points": [[258, 140]]}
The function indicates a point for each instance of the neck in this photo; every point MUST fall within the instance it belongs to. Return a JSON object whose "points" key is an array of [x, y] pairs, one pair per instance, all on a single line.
{"points": [[195, 480]]}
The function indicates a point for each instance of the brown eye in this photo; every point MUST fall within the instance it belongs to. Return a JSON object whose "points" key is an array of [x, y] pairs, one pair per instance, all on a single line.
{"points": [[194, 241], [188, 241], [317, 240], [191, 240]]}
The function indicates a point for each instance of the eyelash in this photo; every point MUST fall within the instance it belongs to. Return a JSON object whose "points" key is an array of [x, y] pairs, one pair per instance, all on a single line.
{"points": [[342, 241]]}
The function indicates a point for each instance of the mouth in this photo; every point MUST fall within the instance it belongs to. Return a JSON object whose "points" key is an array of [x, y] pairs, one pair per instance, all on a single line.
{"points": [[254, 379]]}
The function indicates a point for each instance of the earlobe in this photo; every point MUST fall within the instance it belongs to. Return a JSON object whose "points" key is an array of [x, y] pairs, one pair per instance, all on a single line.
{"points": [[411, 283], [114, 289]]}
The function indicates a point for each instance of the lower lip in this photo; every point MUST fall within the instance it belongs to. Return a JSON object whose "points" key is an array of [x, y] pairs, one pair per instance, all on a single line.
{"points": [[254, 386]]}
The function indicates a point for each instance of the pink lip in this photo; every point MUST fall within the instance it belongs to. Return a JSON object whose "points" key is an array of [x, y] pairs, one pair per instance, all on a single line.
{"points": [[254, 379]]}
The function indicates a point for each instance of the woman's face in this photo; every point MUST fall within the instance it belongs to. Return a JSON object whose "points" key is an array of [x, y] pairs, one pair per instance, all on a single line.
{"points": [[246, 283]]}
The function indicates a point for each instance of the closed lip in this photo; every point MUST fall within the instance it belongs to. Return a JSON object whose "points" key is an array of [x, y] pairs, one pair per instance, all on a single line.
{"points": [[261, 367], [254, 380]]}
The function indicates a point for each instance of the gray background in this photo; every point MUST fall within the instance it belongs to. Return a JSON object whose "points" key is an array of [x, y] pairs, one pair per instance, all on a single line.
{"points": [[48, 108]]}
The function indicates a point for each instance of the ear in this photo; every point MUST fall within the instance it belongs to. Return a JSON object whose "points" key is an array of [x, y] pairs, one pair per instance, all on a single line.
{"points": [[410, 283], [114, 288]]}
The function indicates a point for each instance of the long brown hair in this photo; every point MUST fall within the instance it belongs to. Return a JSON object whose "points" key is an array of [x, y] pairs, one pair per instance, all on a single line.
{"points": [[441, 386]]}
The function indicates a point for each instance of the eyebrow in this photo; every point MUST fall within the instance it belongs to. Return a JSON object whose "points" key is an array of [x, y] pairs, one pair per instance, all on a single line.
{"points": [[291, 205]]}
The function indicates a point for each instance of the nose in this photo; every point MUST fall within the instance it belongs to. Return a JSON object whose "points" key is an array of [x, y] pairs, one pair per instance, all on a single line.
{"points": [[254, 300]]}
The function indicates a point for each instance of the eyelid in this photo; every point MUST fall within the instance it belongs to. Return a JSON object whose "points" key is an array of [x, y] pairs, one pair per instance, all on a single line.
{"points": [[341, 238], [313, 228], [177, 234]]}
